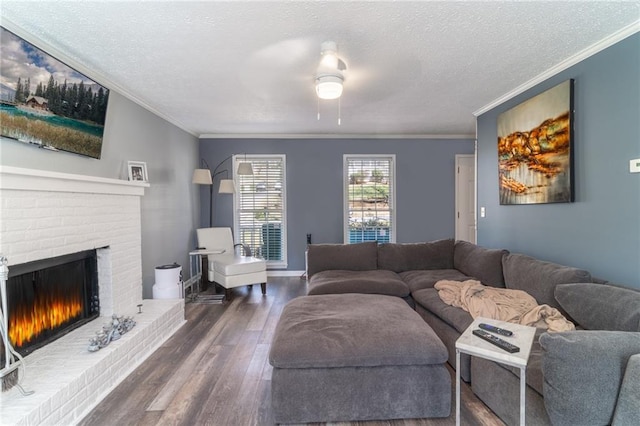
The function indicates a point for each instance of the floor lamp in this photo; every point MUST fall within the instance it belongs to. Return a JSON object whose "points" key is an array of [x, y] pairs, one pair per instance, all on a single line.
{"points": [[204, 176]]}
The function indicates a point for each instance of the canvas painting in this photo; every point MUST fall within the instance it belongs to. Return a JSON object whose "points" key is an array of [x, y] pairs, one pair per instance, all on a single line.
{"points": [[46, 103], [535, 144]]}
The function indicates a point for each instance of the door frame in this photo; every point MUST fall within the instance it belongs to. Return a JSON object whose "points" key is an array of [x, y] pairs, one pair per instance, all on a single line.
{"points": [[458, 194]]}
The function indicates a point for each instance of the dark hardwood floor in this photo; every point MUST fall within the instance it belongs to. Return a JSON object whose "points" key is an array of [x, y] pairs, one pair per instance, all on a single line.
{"points": [[215, 370]]}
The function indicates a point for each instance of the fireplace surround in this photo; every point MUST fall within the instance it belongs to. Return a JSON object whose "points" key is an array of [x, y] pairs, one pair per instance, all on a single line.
{"points": [[48, 214], [50, 297]]}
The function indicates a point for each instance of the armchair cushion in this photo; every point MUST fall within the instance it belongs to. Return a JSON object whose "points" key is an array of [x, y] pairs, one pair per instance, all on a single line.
{"points": [[229, 264], [215, 238], [582, 372]]}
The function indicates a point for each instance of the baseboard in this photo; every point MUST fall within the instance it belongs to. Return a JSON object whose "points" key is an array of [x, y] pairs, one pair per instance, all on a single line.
{"points": [[284, 273]]}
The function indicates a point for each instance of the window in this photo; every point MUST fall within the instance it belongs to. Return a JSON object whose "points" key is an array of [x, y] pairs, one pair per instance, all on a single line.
{"points": [[369, 198], [259, 218]]}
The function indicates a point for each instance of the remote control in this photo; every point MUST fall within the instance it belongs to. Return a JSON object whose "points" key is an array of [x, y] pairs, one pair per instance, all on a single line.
{"points": [[494, 329], [502, 344]]}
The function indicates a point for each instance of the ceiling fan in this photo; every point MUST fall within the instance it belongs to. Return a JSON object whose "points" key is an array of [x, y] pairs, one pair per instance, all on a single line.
{"points": [[289, 71], [329, 75]]}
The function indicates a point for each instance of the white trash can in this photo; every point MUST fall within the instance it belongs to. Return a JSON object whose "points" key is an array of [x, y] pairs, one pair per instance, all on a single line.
{"points": [[168, 282]]}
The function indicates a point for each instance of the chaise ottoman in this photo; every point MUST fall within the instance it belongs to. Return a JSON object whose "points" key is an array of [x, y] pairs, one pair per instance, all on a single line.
{"points": [[347, 357]]}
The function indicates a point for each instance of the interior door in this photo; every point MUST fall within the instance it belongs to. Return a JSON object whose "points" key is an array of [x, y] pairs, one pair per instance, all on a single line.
{"points": [[466, 198]]}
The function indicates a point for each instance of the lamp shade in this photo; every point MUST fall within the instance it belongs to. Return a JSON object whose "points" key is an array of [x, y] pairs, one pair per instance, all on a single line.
{"points": [[202, 177], [245, 169], [329, 86], [226, 186]]}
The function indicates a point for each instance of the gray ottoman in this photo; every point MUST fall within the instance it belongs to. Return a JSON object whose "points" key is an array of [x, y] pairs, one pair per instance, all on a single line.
{"points": [[347, 357]]}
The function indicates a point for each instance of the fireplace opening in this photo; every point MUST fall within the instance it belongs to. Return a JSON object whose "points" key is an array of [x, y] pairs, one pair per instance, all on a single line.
{"points": [[48, 298]]}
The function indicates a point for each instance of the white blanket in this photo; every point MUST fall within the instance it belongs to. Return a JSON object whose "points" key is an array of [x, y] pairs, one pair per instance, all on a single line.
{"points": [[503, 304]]}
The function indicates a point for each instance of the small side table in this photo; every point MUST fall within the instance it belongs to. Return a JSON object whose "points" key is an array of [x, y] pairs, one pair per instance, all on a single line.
{"points": [[473, 345], [195, 265]]}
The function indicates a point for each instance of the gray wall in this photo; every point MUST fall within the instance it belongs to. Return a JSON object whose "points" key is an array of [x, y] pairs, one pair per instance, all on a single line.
{"points": [[170, 207], [425, 186], [600, 231]]}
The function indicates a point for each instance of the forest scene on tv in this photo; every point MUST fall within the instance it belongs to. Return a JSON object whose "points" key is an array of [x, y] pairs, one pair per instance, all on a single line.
{"points": [[46, 103]]}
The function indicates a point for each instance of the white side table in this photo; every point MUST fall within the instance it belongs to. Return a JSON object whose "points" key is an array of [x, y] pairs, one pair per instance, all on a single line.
{"points": [[195, 265], [473, 345]]}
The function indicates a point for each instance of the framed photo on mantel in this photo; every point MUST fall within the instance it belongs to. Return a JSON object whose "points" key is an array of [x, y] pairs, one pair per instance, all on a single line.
{"points": [[138, 171], [535, 149]]}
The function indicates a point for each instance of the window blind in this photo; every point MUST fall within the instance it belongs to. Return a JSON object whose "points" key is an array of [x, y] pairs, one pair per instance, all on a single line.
{"points": [[260, 200], [369, 198]]}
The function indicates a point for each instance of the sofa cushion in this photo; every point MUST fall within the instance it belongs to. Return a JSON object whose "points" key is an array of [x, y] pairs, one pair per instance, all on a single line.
{"points": [[353, 330], [350, 257], [455, 317], [379, 281], [628, 405], [417, 280], [600, 307], [583, 371], [415, 256], [479, 262], [539, 278]]}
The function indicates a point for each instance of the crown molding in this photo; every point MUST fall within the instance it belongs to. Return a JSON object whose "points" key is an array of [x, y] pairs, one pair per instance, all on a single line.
{"points": [[332, 136], [567, 63]]}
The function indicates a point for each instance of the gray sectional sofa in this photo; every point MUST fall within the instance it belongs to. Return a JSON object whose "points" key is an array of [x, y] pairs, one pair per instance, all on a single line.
{"points": [[588, 377]]}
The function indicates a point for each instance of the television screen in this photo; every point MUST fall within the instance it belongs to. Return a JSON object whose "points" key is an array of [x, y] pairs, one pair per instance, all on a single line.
{"points": [[47, 103]]}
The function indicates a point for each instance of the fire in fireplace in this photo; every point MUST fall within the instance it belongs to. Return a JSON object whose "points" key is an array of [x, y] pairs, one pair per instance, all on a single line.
{"points": [[48, 298]]}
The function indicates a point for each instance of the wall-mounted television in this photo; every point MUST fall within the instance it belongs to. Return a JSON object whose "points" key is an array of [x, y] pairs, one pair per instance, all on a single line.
{"points": [[46, 103]]}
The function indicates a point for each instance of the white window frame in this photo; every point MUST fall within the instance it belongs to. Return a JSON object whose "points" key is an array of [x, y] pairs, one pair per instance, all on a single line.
{"points": [[240, 158], [392, 191]]}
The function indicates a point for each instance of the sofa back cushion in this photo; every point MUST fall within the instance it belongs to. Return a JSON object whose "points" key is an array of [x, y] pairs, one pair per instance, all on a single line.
{"points": [[416, 256], [478, 262], [346, 257], [539, 278], [583, 371], [601, 307], [628, 404]]}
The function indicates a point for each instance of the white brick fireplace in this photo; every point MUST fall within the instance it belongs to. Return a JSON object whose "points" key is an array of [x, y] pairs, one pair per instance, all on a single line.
{"points": [[48, 214]]}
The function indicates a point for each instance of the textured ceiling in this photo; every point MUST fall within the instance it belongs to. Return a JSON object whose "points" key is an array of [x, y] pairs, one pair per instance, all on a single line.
{"points": [[247, 68]]}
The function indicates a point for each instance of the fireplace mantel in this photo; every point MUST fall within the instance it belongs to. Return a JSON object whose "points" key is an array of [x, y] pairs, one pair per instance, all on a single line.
{"points": [[47, 214], [42, 180]]}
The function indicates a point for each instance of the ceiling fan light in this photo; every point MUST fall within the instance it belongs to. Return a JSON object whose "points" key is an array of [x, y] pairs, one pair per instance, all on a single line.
{"points": [[329, 86], [329, 60]]}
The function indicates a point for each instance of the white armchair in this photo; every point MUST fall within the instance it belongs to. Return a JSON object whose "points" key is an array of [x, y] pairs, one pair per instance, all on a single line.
{"points": [[226, 267]]}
